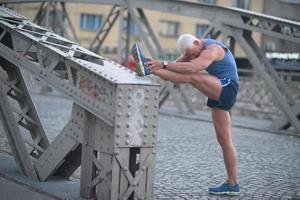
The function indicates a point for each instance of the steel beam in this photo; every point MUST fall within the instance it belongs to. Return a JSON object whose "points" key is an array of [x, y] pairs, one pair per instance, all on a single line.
{"points": [[247, 20], [257, 62], [105, 29]]}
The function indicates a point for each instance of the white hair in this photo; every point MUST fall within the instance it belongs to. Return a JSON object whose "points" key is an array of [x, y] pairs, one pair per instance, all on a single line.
{"points": [[185, 41]]}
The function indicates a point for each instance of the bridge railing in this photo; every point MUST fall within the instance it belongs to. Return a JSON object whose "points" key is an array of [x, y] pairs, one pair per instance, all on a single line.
{"points": [[113, 126]]}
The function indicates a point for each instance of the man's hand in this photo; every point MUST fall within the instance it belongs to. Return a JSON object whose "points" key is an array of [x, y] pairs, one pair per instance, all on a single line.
{"points": [[155, 65]]}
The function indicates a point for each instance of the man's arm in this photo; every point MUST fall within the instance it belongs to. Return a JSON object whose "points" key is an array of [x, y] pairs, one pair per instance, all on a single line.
{"points": [[207, 56]]}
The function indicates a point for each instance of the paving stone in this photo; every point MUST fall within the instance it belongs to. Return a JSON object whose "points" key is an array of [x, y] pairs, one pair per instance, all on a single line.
{"points": [[189, 159]]}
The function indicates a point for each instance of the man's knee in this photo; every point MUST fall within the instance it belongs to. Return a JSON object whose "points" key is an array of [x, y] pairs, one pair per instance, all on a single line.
{"points": [[224, 141]]}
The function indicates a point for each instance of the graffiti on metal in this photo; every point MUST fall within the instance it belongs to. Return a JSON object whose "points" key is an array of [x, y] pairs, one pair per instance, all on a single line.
{"points": [[94, 91]]}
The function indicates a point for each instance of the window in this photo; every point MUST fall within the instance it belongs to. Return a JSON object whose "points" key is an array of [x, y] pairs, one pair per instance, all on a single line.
{"points": [[244, 4], [169, 28], [133, 27], [90, 22], [200, 30], [207, 1]]}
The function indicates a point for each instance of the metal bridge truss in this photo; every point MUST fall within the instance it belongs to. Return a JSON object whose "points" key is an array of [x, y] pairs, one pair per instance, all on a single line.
{"points": [[112, 129]]}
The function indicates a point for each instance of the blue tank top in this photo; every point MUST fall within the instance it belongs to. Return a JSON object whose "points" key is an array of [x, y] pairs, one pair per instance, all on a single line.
{"points": [[225, 68]]}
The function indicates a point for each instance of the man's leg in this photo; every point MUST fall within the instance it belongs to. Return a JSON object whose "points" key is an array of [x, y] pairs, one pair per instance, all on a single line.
{"points": [[207, 84], [222, 124]]}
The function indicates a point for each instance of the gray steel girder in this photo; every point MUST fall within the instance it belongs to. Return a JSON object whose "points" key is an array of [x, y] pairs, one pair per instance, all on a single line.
{"points": [[243, 19]]}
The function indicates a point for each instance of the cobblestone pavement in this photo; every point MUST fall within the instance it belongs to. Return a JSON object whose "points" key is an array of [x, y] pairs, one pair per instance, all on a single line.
{"points": [[189, 159]]}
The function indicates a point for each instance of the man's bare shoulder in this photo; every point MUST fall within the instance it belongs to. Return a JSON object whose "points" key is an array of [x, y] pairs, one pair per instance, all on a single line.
{"points": [[217, 50]]}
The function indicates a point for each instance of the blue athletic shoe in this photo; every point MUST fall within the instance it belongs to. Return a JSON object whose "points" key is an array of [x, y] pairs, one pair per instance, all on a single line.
{"points": [[225, 188], [141, 61]]}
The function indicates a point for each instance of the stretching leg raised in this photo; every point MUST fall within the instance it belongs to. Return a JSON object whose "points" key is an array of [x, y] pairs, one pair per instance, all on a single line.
{"points": [[207, 84]]}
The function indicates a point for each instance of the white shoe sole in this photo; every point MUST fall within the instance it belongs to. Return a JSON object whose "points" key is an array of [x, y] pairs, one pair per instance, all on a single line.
{"points": [[139, 61]]}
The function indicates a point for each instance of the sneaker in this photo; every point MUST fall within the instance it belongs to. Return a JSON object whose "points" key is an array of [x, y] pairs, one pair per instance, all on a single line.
{"points": [[141, 61], [225, 188]]}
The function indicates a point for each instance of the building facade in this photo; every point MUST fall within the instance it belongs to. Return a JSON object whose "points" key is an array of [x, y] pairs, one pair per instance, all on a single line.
{"points": [[87, 20]]}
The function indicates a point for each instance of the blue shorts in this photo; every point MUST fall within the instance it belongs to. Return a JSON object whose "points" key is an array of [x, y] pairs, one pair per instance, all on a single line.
{"points": [[228, 95]]}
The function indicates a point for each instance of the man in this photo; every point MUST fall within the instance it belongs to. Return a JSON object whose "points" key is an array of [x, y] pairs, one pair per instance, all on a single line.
{"points": [[220, 85]]}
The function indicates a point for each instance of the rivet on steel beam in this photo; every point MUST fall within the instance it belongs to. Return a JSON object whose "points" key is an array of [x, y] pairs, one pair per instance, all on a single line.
{"points": [[145, 126], [118, 134], [154, 126], [147, 97], [147, 90], [144, 142], [127, 134], [129, 105], [119, 114], [153, 134], [120, 96], [128, 114], [118, 125], [155, 115], [127, 125], [146, 116], [117, 142], [155, 106], [156, 90], [119, 105], [129, 97], [146, 106], [145, 134], [153, 152], [127, 142], [130, 88], [156, 97]]}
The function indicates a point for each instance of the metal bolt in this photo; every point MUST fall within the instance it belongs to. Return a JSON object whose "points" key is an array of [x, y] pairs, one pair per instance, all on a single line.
{"points": [[128, 114], [127, 134], [127, 142]]}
